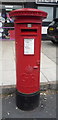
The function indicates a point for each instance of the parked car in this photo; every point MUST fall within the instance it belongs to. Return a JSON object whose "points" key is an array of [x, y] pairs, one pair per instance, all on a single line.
{"points": [[52, 31]]}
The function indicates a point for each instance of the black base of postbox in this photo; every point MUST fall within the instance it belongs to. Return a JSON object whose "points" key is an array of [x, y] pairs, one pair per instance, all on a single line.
{"points": [[27, 101]]}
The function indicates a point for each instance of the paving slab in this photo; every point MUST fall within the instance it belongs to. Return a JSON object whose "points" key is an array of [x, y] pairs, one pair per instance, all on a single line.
{"points": [[13, 47], [50, 74], [1, 65], [47, 62], [7, 52], [54, 60], [43, 79], [0, 77], [49, 49], [9, 78], [8, 65]]}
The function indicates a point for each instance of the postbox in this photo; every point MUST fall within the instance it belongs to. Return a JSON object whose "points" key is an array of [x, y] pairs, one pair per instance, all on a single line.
{"points": [[28, 24]]}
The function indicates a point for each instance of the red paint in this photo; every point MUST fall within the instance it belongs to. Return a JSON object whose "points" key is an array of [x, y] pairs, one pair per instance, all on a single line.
{"points": [[12, 34], [28, 66]]}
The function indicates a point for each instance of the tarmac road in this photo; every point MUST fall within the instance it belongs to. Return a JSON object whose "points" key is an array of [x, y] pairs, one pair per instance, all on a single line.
{"points": [[46, 108]]}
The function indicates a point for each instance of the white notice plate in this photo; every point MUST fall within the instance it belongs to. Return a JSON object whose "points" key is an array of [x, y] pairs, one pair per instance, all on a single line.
{"points": [[28, 46]]}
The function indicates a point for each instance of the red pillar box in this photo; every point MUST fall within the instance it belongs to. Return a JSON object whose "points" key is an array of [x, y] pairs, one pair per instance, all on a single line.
{"points": [[12, 34], [28, 23]]}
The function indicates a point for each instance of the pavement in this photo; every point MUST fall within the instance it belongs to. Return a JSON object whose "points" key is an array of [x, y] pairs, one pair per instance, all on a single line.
{"points": [[48, 80]]}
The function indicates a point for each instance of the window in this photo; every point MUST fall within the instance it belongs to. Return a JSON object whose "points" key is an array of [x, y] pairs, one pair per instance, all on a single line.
{"points": [[49, 10], [7, 23]]}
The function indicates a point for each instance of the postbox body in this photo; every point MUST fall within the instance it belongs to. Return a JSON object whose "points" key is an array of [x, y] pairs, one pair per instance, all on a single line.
{"points": [[28, 23], [28, 42]]}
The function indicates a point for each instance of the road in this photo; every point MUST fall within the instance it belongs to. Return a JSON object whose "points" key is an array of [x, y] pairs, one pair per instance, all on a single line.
{"points": [[46, 108]]}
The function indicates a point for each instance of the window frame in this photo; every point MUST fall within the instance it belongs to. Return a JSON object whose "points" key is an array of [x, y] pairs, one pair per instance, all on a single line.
{"points": [[47, 20]]}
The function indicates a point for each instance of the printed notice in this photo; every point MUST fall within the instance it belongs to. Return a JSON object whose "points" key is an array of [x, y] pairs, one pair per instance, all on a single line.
{"points": [[28, 46]]}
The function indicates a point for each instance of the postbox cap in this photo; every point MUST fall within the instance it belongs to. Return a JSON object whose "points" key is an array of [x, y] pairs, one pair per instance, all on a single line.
{"points": [[28, 12]]}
